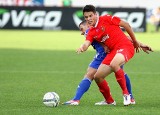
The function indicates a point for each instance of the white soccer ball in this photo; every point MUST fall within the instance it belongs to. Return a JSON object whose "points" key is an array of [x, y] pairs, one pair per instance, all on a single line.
{"points": [[51, 99]]}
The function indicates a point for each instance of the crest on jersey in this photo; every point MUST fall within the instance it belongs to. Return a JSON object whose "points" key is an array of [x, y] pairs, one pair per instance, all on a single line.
{"points": [[97, 30]]}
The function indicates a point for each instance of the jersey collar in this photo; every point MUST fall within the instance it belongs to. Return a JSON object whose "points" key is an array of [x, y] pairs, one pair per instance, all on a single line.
{"points": [[97, 21]]}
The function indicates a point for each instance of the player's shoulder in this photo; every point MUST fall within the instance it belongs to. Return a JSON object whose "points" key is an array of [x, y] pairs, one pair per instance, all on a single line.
{"points": [[90, 28], [105, 16], [109, 18], [91, 31]]}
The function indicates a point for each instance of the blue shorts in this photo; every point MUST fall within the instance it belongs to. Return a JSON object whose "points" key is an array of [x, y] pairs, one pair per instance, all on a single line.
{"points": [[97, 61]]}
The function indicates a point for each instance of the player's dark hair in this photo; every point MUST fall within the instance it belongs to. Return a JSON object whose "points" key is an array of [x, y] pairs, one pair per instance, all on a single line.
{"points": [[89, 8], [82, 23]]}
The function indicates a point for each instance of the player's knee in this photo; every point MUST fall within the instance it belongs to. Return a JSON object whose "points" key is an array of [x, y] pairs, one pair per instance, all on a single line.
{"points": [[97, 78], [114, 66], [90, 76]]}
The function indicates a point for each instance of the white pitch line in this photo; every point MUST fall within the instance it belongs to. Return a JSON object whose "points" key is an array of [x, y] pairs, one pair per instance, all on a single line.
{"points": [[73, 72]]}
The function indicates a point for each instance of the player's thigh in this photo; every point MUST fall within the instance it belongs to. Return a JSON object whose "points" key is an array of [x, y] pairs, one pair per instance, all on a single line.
{"points": [[118, 60], [103, 71], [90, 73]]}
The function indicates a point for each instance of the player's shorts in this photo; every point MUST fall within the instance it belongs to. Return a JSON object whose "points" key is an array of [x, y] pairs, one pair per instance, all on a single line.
{"points": [[127, 51], [95, 63], [97, 60]]}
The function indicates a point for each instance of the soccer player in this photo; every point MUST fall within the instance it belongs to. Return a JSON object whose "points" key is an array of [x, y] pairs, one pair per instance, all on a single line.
{"points": [[106, 29], [93, 66]]}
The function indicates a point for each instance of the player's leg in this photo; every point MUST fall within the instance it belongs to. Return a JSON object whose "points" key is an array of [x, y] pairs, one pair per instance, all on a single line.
{"points": [[157, 25], [83, 87], [122, 55], [85, 83], [119, 73], [129, 87], [118, 60], [102, 72], [128, 84]]}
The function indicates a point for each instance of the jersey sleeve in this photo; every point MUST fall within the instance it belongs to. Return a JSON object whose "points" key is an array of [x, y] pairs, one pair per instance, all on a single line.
{"points": [[112, 19], [89, 36]]}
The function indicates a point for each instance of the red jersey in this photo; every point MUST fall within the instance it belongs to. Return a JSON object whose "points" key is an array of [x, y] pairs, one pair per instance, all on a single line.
{"points": [[107, 30]]}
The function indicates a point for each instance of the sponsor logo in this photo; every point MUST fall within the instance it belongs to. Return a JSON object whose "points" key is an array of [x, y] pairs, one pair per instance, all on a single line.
{"points": [[120, 50], [135, 19], [26, 18], [105, 38], [77, 17], [5, 17]]}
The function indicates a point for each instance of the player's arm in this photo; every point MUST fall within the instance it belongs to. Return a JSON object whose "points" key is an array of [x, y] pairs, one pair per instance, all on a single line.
{"points": [[84, 46], [129, 30], [106, 49]]}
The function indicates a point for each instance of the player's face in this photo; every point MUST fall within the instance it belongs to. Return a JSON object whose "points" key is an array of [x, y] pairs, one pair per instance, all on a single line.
{"points": [[90, 17], [83, 28]]}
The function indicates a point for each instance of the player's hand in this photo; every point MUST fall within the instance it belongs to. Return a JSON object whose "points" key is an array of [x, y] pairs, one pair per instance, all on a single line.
{"points": [[136, 46], [146, 48], [106, 49], [79, 50]]}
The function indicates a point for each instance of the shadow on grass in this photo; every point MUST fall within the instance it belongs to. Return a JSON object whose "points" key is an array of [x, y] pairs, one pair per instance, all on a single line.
{"points": [[68, 60], [42, 60]]}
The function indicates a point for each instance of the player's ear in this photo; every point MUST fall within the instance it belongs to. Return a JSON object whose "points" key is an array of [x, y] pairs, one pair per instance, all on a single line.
{"points": [[97, 14]]}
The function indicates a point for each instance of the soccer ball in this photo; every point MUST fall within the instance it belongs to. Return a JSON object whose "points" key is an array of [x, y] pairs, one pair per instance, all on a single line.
{"points": [[51, 99]]}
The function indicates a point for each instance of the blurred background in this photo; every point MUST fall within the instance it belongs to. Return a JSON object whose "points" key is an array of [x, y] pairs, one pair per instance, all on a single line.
{"points": [[38, 42], [143, 15]]}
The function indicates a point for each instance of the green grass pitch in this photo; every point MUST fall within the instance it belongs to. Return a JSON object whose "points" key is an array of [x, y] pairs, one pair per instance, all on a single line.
{"points": [[35, 62]]}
